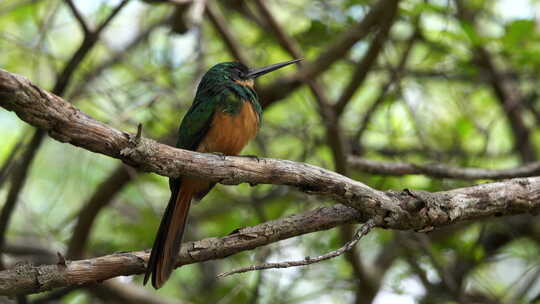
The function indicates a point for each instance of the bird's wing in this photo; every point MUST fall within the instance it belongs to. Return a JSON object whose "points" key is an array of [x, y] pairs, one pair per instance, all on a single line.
{"points": [[196, 123]]}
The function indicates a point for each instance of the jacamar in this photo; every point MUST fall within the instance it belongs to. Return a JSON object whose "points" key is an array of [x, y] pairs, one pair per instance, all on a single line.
{"points": [[224, 116]]}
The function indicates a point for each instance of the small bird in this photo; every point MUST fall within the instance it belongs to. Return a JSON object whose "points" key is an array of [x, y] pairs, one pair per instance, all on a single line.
{"points": [[223, 118]]}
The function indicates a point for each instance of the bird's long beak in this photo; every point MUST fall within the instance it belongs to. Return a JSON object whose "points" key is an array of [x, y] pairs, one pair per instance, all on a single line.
{"points": [[254, 73]]}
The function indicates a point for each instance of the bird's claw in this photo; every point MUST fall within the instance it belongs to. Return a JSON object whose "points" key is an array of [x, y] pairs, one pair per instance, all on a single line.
{"points": [[255, 157], [221, 155]]}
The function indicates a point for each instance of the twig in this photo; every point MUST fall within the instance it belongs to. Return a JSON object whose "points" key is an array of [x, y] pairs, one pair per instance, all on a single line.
{"points": [[80, 18], [221, 26], [365, 229], [109, 18], [19, 177], [396, 74], [368, 61], [336, 51], [9, 162], [441, 170], [118, 57], [507, 93]]}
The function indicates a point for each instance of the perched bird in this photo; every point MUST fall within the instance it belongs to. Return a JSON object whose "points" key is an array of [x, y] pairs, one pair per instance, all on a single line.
{"points": [[224, 116]]}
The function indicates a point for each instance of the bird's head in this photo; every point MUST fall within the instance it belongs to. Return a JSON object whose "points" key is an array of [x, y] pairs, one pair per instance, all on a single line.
{"points": [[239, 73]]}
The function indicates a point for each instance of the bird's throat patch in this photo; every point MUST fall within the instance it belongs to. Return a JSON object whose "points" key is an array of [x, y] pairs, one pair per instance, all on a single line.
{"points": [[246, 83]]}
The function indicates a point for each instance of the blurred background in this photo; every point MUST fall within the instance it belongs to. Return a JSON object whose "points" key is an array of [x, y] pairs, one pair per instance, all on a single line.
{"points": [[440, 82]]}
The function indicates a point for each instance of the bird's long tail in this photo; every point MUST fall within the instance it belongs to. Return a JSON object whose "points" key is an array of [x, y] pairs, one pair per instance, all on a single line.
{"points": [[169, 237]]}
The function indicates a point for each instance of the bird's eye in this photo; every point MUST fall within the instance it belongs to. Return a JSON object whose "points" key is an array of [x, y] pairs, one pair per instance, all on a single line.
{"points": [[238, 73]]}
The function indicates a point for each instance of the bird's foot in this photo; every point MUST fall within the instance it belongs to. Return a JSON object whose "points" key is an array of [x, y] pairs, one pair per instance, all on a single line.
{"points": [[221, 155], [254, 157]]}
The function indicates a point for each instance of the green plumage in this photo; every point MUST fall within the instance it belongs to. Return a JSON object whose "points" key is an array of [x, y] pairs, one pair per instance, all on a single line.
{"points": [[217, 91]]}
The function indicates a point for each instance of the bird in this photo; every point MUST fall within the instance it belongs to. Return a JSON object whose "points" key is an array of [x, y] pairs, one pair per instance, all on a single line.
{"points": [[224, 116]]}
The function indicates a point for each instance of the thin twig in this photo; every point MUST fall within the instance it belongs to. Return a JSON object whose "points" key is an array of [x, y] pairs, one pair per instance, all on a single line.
{"points": [[220, 24], [80, 18], [365, 229], [439, 170], [111, 16], [9, 162], [365, 66]]}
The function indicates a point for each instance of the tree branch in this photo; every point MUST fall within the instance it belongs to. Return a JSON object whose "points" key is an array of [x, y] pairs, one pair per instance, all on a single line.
{"points": [[370, 58], [365, 229], [24, 279], [507, 92], [441, 170], [66, 123], [334, 52], [220, 24], [80, 18], [19, 178], [104, 194]]}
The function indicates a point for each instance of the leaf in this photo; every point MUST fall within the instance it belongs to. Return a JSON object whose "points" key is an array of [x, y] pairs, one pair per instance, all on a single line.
{"points": [[518, 32]]}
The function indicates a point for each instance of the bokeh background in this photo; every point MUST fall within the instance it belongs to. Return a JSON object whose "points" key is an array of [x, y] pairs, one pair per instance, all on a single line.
{"points": [[423, 81]]}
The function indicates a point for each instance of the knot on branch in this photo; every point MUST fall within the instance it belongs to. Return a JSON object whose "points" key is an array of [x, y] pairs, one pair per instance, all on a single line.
{"points": [[138, 149], [418, 210], [431, 207]]}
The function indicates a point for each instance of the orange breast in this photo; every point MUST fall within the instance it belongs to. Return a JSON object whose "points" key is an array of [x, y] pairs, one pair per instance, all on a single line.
{"points": [[230, 133]]}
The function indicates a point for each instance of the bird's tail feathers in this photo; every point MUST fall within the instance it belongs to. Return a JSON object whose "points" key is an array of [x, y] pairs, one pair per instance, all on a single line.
{"points": [[169, 237]]}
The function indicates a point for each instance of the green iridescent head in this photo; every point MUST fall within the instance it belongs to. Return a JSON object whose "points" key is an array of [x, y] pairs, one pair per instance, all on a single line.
{"points": [[236, 71]]}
